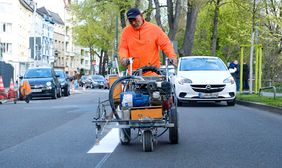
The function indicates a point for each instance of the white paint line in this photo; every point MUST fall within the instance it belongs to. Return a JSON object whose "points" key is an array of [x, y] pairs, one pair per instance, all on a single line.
{"points": [[108, 143]]}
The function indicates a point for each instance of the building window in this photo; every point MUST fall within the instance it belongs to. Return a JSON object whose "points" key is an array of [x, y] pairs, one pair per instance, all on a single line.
{"points": [[6, 27], [6, 47]]}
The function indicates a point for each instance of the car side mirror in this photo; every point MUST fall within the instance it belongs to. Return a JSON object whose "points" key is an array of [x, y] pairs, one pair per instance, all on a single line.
{"points": [[57, 76]]}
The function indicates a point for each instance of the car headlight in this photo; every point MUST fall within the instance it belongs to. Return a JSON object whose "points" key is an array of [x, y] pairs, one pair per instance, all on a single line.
{"points": [[181, 80], [48, 83], [230, 79]]}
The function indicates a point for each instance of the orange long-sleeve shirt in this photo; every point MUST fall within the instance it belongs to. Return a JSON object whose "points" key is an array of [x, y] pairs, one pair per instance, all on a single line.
{"points": [[143, 44]]}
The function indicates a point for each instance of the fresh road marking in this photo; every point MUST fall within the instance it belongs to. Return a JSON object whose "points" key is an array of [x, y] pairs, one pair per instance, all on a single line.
{"points": [[108, 143]]}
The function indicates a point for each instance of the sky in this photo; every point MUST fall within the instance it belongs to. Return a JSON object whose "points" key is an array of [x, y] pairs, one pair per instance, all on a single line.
{"points": [[56, 6]]}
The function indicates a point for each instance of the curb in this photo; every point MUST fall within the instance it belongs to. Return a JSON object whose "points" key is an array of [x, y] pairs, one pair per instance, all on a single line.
{"points": [[260, 106]]}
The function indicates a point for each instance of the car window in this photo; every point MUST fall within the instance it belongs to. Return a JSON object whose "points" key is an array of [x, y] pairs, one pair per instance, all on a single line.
{"points": [[38, 73], [202, 64]]}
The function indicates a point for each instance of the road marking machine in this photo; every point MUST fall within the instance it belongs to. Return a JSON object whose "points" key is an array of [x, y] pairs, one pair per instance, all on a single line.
{"points": [[144, 104]]}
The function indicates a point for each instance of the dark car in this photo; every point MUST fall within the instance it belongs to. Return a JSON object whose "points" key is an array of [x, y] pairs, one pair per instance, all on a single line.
{"points": [[64, 81], [85, 81], [43, 82], [99, 81]]}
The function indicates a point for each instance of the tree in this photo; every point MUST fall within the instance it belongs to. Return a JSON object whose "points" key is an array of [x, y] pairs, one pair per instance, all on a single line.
{"points": [[173, 13], [95, 21], [191, 17], [271, 38]]}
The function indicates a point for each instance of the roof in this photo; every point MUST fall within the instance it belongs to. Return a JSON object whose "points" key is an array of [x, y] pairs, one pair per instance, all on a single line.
{"points": [[45, 14], [56, 18]]}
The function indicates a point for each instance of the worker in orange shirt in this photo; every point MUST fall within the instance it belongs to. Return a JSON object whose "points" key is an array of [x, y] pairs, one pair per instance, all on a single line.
{"points": [[141, 40]]}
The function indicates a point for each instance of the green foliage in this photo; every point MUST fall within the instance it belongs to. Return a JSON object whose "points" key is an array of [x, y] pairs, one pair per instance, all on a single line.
{"points": [[95, 22], [234, 29]]}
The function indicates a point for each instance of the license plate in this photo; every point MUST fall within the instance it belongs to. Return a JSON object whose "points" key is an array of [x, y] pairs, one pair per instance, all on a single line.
{"points": [[36, 90], [208, 95]]}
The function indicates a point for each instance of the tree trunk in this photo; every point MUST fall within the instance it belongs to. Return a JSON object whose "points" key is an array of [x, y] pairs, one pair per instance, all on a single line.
{"points": [[192, 14], [149, 11], [173, 17], [105, 60], [122, 18], [215, 28], [101, 60], [91, 60], [158, 15]]}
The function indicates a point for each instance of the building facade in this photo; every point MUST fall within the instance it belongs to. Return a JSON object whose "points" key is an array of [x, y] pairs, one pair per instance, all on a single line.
{"points": [[32, 36], [15, 23], [59, 41]]}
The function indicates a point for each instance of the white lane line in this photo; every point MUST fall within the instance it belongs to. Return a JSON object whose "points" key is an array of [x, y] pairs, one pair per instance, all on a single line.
{"points": [[108, 143], [101, 163]]}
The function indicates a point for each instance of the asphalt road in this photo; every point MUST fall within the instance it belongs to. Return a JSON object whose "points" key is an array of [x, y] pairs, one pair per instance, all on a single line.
{"points": [[59, 133]]}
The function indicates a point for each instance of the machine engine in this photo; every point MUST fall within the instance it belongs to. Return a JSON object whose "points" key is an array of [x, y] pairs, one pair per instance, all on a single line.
{"points": [[147, 93]]}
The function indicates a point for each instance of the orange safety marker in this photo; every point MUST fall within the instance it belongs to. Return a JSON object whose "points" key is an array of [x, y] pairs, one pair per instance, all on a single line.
{"points": [[12, 94], [2, 90]]}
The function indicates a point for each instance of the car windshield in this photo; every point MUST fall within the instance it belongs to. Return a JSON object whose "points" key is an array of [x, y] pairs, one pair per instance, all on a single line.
{"points": [[202, 64], [38, 73], [60, 73], [97, 77]]}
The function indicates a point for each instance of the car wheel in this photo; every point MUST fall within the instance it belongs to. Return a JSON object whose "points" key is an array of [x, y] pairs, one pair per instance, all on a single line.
{"points": [[66, 91], [60, 93], [54, 95], [231, 103]]}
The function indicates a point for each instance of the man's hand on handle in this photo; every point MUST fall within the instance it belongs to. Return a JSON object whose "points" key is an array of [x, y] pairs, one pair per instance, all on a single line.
{"points": [[124, 62], [173, 61]]}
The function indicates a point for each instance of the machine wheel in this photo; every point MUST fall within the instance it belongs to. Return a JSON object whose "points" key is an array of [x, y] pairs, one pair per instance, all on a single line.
{"points": [[124, 136], [148, 142], [173, 131]]}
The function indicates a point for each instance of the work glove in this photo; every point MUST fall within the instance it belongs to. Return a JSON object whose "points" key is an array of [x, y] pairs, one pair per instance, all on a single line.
{"points": [[124, 62], [173, 61]]}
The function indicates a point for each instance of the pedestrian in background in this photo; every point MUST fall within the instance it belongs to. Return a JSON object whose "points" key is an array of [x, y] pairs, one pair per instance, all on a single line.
{"points": [[236, 73], [246, 72]]}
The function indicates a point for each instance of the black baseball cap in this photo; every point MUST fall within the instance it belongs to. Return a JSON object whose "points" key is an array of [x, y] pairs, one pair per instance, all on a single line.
{"points": [[132, 13]]}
